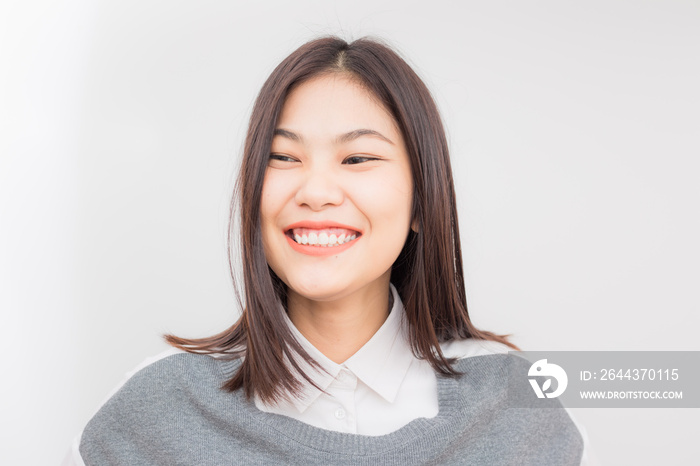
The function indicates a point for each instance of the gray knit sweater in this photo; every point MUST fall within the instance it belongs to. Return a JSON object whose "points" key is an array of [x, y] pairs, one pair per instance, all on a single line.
{"points": [[173, 412]]}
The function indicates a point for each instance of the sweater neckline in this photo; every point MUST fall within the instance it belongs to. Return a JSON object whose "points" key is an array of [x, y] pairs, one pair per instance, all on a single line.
{"points": [[287, 430]]}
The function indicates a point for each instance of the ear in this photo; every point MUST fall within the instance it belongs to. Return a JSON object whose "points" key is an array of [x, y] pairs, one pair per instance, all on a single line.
{"points": [[414, 225]]}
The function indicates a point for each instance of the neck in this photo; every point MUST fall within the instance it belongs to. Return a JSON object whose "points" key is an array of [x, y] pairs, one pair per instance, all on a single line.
{"points": [[339, 328]]}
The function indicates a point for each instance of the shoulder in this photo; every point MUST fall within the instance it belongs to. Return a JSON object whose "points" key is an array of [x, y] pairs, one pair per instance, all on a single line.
{"points": [[168, 359], [171, 363], [169, 370], [470, 347], [151, 399], [496, 372]]}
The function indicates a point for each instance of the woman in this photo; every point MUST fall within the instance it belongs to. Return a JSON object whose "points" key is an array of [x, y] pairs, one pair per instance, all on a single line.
{"points": [[355, 345]]}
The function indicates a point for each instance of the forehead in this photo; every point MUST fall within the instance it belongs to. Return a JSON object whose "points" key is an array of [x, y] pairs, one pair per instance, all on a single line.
{"points": [[328, 105]]}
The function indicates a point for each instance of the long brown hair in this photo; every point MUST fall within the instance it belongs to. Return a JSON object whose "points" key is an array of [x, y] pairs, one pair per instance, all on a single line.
{"points": [[428, 272]]}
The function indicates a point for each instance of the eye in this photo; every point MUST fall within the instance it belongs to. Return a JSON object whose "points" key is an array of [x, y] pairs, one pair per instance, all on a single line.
{"points": [[282, 162], [355, 159], [283, 158]]}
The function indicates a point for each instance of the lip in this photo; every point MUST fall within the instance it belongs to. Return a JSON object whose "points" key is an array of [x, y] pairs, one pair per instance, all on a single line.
{"points": [[319, 225], [318, 250]]}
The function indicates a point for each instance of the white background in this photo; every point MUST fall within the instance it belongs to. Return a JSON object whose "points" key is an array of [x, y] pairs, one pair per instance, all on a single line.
{"points": [[574, 136]]}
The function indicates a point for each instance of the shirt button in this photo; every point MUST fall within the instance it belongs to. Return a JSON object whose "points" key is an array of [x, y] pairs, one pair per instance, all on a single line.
{"points": [[340, 413]]}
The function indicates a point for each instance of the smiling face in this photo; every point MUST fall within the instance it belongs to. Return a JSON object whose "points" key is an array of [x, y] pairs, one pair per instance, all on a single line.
{"points": [[337, 195]]}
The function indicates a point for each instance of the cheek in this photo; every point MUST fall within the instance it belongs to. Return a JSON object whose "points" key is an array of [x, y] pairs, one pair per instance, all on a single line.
{"points": [[270, 207], [388, 200], [272, 198]]}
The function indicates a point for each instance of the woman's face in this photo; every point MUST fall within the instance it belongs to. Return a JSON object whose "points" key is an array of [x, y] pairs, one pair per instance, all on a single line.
{"points": [[336, 200]]}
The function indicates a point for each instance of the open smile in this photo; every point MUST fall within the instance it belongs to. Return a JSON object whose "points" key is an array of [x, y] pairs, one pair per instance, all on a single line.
{"points": [[325, 238], [321, 238]]}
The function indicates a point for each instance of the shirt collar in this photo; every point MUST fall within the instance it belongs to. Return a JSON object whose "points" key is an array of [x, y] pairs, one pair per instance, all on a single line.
{"points": [[381, 363]]}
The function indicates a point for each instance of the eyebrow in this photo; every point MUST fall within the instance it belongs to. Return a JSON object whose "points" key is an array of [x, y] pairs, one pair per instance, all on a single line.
{"points": [[341, 139]]}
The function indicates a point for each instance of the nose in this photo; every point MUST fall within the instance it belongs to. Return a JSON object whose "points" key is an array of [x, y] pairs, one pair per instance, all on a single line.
{"points": [[319, 189]]}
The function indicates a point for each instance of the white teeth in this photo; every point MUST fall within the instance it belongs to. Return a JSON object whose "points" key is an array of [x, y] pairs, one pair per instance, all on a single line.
{"points": [[323, 238], [313, 238]]}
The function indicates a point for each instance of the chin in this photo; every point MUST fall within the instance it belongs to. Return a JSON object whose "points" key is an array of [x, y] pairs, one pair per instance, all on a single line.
{"points": [[315, 292]]}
